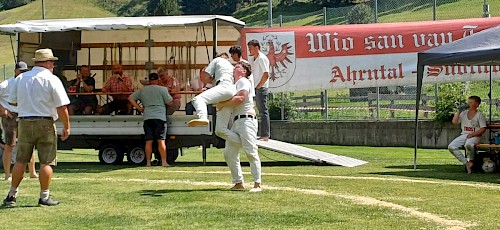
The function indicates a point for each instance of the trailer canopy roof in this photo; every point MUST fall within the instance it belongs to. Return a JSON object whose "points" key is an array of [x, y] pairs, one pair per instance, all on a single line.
{"points": [[117, 23]]}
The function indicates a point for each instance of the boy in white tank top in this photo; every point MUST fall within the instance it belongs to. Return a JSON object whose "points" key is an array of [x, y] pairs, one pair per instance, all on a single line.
{"points": [[473, 124]]}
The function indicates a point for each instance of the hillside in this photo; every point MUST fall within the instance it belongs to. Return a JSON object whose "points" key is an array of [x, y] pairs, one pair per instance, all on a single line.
{"points": [[300, 12], [53, 9], [305, 13]]}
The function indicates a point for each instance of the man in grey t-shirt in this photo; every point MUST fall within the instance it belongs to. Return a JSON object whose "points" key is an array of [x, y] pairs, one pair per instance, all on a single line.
{"points": [[154, 99]]}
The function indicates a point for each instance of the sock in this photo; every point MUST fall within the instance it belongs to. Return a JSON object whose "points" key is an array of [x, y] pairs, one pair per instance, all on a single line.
{"points": [[44, 194], [13, 191]]}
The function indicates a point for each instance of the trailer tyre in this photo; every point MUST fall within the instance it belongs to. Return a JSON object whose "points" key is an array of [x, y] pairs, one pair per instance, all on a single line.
{"points": [[137, 155], [172, 155], [110, 154]]}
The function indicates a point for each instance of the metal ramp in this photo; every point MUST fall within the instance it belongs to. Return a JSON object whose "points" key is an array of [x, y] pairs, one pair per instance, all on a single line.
{"points": [[309, 154]]}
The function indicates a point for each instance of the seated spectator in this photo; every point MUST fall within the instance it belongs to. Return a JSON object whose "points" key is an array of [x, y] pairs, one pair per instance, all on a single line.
{"points": [[118, 82], [173, 86], [84, 83], [473, 124]]}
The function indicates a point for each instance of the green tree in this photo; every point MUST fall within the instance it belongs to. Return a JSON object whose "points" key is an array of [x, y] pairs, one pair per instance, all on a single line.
{"points": [[450, 95], [163, 7], [224, 7], [361, 14]]}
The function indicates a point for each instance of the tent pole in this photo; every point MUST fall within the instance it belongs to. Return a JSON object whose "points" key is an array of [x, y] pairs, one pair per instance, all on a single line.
{"points": [[489, 95], [420, 73]]}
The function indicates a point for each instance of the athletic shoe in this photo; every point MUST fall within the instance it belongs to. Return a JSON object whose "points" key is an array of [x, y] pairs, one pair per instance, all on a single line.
{"points": [[198, 122], [48, 202], [9, 202]]}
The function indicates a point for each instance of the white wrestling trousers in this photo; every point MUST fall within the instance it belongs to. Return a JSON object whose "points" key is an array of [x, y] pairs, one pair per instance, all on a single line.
{"points": [[457, 143], [224, 91], [246, 128]]}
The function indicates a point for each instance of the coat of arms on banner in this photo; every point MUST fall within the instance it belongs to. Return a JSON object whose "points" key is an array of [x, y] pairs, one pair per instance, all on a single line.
{"points": [[279, 48]]}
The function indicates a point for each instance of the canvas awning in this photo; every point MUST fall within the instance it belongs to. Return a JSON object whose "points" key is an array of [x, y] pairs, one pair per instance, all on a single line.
{"points": [[482, 48], [117, 23]]}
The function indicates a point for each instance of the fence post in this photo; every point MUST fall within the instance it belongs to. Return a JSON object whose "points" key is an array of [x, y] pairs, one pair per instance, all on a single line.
{"points": [[326, 104], [376, 11], [281, 20], [486, 9], [434, 16], [436, 91], [378, 103], [282, 107], [324, 15]]}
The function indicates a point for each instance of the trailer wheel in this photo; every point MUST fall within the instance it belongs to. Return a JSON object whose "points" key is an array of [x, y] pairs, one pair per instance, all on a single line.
{"points": [[137, 155], [172, 155], [110, 154]]}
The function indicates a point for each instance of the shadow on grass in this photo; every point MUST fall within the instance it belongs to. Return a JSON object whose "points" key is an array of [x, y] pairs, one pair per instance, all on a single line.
{"points": [[443, 172], [19, 206], [161, 192], [264, 164], [89, 167], [96, 167]]}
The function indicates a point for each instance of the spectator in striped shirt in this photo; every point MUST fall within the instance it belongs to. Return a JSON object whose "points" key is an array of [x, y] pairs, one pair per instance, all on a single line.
{"points": [[119, 82]]}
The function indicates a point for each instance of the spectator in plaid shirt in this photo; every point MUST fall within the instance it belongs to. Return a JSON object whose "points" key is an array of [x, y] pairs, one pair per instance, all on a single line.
{"points": [[119, 82], [173, 86]]}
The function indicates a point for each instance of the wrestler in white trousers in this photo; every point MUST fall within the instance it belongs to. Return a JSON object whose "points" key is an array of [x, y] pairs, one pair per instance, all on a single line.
{"points": [[246, 128], [223, 91]]}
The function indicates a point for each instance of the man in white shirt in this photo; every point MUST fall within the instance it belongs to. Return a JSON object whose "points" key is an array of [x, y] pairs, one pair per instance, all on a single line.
{"points": [[473, 124], [9, 123], [220, 73], [41, 99], [260, 71], [244, 129]]}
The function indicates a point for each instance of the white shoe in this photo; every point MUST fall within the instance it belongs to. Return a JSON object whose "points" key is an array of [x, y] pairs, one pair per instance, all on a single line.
{"points": [[198, 122], [259, 189], [9, 179]]}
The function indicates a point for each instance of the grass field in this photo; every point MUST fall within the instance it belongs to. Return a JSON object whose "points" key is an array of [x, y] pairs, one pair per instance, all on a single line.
{"points": [[384, 194]]}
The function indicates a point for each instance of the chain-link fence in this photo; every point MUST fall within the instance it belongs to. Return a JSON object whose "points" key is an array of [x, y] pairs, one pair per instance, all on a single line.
{"points": [[6, 72], [393, 102], [372, 11]]}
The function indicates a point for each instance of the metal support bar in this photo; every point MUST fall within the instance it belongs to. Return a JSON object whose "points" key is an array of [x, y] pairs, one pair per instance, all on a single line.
{"points": [[378, 103], [214, 38], [149, 43], [324, 15], [326, 104], [204, 154]]}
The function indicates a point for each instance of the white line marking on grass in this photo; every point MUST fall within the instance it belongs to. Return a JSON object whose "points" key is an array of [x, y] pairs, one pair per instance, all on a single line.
{"points": [[360, 200], [474, 185]]}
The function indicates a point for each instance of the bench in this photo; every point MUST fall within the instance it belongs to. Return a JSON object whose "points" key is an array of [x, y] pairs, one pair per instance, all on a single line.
{"points": [[393, 106]]}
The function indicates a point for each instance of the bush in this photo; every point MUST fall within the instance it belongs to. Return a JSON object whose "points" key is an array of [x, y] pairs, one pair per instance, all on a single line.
{"points": [[361, 14], [275, 102], [449, 96]]}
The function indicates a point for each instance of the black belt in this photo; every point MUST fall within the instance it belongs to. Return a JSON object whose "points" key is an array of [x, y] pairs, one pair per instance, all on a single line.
{"points": [[244, 116], [36, 118]]}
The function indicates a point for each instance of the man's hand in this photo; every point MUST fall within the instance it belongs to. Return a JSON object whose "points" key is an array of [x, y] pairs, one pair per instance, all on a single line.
{"points": [[65, 134], [6, 113], [219, 106], [470, 136], [141, 109]]}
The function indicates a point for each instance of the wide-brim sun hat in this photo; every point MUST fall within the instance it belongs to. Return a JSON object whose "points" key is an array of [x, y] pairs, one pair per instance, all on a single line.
{"points": [[44, 55]]}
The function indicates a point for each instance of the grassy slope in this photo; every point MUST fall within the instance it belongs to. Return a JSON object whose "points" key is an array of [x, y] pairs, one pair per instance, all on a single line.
{"points": [[95, 196], [53, 9], [409, 11]]}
